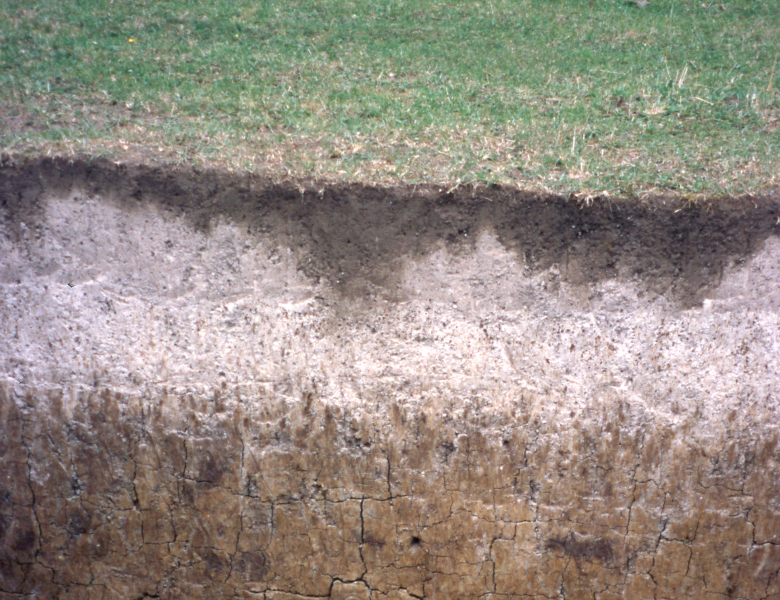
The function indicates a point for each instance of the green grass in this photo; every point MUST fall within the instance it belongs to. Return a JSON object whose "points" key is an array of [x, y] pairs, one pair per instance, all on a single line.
{"points": [[562, 95]]}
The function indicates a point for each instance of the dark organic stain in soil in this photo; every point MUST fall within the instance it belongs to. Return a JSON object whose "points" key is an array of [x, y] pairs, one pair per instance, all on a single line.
{"points": [[358, 237], [591, 549]]}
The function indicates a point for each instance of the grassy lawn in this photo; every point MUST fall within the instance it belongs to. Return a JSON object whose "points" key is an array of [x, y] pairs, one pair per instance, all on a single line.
{"points": [[596, 97]]}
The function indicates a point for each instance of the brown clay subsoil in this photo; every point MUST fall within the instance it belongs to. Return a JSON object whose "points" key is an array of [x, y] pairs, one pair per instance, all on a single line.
{"points": [[217, 385]]}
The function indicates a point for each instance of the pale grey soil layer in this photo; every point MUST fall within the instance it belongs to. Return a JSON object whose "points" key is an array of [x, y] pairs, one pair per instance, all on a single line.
{"points": [[214, 387]]}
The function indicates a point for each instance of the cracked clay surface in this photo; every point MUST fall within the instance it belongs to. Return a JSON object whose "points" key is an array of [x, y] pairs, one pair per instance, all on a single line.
{"points": [[216, 387]]}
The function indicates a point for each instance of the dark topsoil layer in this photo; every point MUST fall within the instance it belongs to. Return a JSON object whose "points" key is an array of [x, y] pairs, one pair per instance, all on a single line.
{"points": [[355, 235]]}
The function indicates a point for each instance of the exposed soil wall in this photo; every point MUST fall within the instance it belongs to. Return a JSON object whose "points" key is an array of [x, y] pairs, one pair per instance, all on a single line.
{"points": [[215, 386]]}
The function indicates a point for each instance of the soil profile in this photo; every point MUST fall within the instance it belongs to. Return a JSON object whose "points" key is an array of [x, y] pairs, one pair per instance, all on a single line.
{"points": [[216, 385]]}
